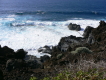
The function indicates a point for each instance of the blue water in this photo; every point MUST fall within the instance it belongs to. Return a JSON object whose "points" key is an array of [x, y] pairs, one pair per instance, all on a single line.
{"points": [[30, 24], [55, 9]]}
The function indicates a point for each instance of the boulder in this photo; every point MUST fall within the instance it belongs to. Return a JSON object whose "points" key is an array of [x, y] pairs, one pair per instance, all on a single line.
{"points": [[74, 27], [87, 31], [30, 57], [14, 63], [44, 58], [34, 64], [20, 54], [68, 43]]}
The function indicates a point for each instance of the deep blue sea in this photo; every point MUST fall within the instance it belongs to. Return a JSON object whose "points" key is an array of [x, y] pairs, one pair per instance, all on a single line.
{"points": [[30, 24], [55, 9]]}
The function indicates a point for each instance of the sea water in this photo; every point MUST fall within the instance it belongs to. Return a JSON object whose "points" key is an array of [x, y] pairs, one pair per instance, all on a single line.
{"points": [[31, 24]]}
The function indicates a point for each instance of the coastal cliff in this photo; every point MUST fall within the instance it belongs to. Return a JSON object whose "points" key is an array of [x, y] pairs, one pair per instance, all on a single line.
{"points": [[88, 51]]}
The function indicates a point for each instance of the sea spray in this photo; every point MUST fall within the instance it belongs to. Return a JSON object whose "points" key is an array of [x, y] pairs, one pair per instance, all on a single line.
{"points": [[17, 32]]}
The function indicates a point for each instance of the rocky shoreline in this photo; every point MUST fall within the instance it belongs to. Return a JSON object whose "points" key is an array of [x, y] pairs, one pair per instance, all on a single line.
{"points": [[70, 50]]}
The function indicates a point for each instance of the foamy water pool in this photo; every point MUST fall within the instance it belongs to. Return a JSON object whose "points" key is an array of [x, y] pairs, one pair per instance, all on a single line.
{"points": [[33, 34]]}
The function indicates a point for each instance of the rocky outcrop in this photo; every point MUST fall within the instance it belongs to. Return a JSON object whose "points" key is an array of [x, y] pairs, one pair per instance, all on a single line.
{"points": [[67, 43], [7, 52], [88, 35], [20, 66], [14, 63], [44, 58], [45, 49], [74, 27], [100, 32], [20, 54], [34, 64], [94, 39], [87, 31], [90, 39]]}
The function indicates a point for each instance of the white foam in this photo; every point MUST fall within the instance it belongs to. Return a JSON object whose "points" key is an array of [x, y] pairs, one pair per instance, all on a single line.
{"points": [[40, 34], [11, 16]]}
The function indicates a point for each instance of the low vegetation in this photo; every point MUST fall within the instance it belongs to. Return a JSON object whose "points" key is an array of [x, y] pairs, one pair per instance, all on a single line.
{"points": [[81, 50], [85, 70]]}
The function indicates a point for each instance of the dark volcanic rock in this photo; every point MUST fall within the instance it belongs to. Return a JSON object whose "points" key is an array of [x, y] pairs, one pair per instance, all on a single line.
{"points": [[102, 23], [100, 32], [7, 52], [44, 58], [7, 49], [30, 57], [70, 42], [90, 39], [20, 54], [87, 31], [74, 27], [45, 49], [34, 64], [14, 63]]}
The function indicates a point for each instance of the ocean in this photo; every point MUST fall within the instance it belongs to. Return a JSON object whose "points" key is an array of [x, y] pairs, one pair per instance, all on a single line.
{"points": [[31, 24]]}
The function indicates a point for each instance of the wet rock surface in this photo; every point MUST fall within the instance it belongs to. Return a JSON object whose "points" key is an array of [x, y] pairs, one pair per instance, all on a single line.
{"points": [[20, 66], [45, 49], [74, 27]]}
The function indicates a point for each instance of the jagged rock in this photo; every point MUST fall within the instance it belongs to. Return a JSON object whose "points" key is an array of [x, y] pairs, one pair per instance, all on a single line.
{"points": [[45, 49], [102, 23], [90, 39], [20, 54], [74, 27], [100, 32], [87, 31], [64, 47], [44, 58], [70, 42], [41, 49], [6, 51]]}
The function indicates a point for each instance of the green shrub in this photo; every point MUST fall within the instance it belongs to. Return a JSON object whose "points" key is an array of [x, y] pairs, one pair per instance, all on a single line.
{"points": [[81, 50], [79, 75], [46, 78], [33, 78]]}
